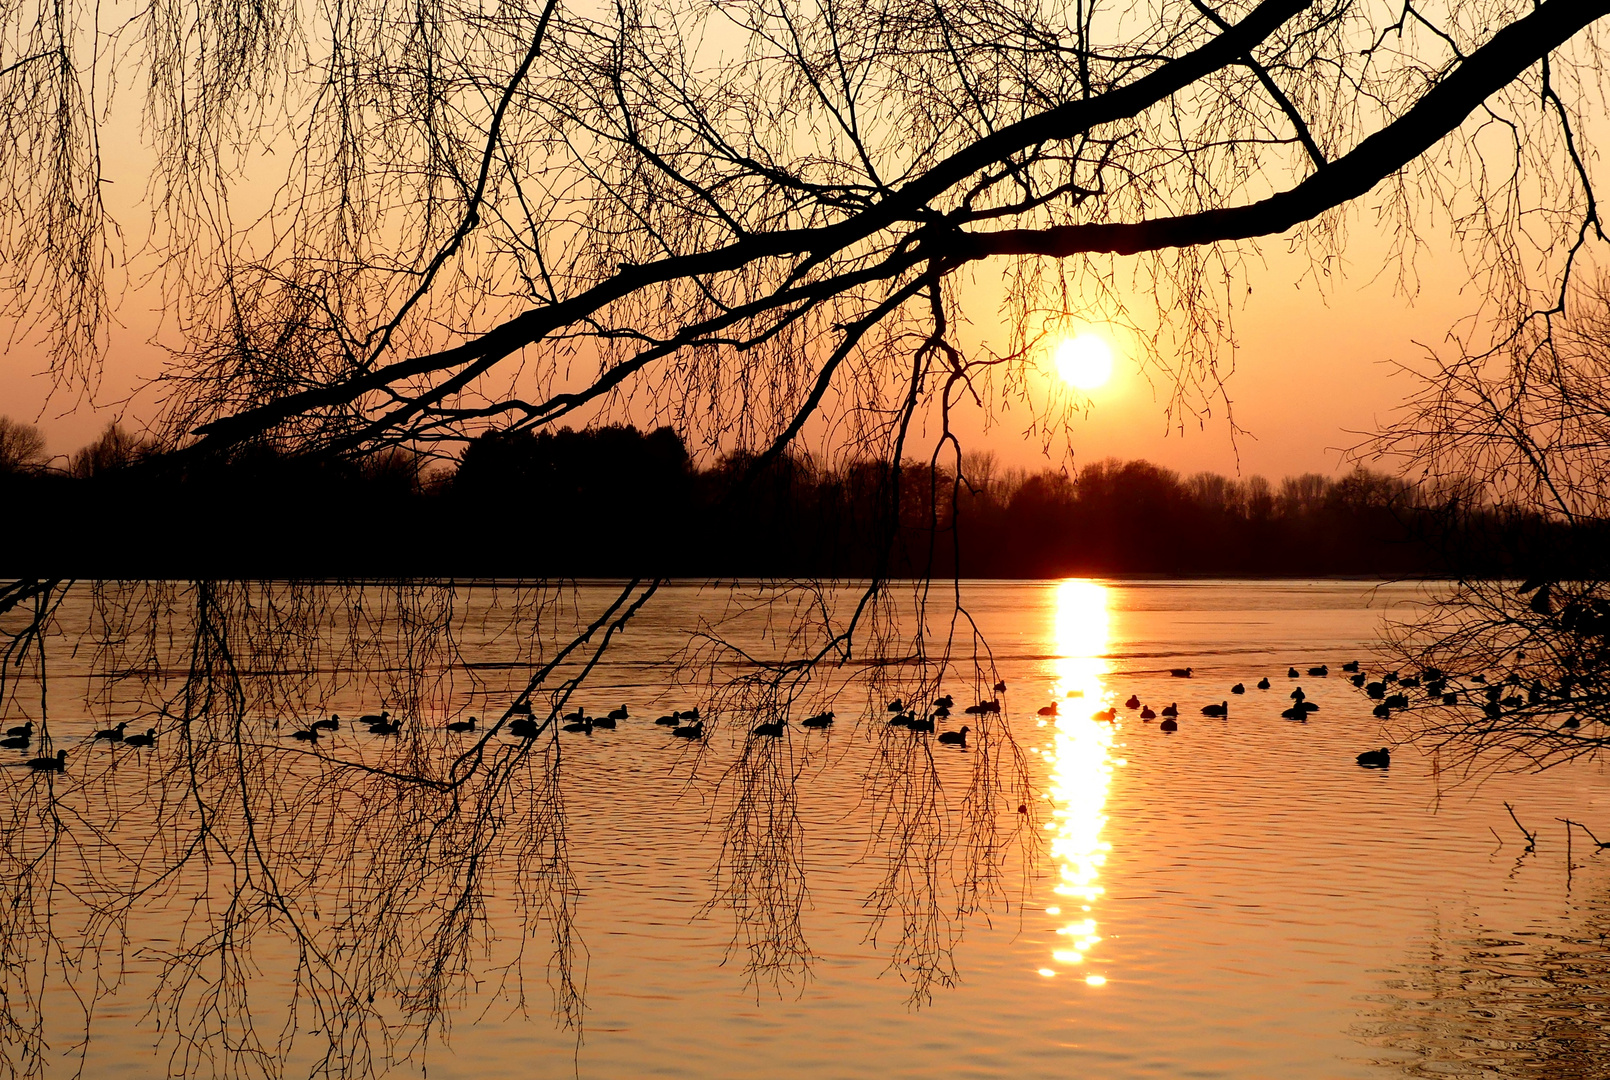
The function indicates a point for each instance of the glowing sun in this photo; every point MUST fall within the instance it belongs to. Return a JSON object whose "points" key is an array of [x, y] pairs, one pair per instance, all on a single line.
{"points": [[1084, 362]]}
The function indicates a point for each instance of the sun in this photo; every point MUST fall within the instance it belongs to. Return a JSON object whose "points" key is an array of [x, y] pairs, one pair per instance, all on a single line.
{"points": [[1084, 362]]}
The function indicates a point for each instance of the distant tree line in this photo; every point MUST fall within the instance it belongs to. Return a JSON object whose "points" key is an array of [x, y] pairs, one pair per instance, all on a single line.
{"points": [[615, 500]]}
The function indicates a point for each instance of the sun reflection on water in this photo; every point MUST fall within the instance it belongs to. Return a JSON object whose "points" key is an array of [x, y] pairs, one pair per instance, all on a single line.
{"points": [[1081, 767]]}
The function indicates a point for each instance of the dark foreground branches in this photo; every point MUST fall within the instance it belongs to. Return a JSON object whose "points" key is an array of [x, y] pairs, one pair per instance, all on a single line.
{"points": [[349, 894]]}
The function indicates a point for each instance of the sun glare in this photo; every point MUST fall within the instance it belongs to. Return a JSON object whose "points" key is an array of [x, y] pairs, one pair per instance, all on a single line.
{"points": [[1084, 362]]}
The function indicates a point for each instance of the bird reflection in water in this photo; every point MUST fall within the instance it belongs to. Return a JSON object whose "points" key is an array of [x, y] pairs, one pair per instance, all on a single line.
{"points": [[1081, 769]]}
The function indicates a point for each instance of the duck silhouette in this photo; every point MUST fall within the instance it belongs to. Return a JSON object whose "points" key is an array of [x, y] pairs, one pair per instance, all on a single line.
{"points": [[384, 729], [1169, 725], [897, 705], [1238, 689], [1351, 665], [463, 725], [772, 729], [332, 724], [605, 722], [1147, 714], [114, 734], [694, 730], [584, 725], [523, 727], [1221, 709], [306, 735], [1181, 672], [955, 738], [373, 718], [50, 764], [16, 742], [1293, 673], [1048, 710], [25, 730], [1376, 759], [1000, 687], [820, 720], [148, 739], [1263, 683], [668, 720], [1319, 672], [1132, 703], [1172, 709]]}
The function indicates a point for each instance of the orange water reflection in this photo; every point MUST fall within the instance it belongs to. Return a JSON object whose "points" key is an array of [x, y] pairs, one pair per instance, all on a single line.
{"points": [[1081, 769]]}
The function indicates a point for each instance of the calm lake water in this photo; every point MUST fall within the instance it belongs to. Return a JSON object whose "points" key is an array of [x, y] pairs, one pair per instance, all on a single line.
{"points": [[1233, 899]]}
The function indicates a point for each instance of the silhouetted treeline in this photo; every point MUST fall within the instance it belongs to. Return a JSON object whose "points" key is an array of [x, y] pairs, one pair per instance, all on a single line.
{"points": [[615, 501]]}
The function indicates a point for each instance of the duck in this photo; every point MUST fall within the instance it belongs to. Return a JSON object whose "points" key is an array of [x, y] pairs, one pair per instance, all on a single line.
{"points": [[1132, 703], [575, 717], [520, 708], [605, 722], [772, 729], [463, 725], [1376, 759], [1263, 683], [955, 738], [523, 727], [50, 764], [384, 729], [1358, 680], [619, 714], [1172, 709], [584, 725], [1319, 672], [668, 720], [16, 742], [148, 739], [897, 705], [1297, 694], [944, 702], [306, 735], [1048, 710], [25, 730], [1147, 714], [114, 734], [1221, 709], [1000, 687], [332, 724], [922, 726], [820, 720], [1293, 673], [372, 718], [903, 720], [1351, 665], [694, 730], [1106, 715], [1169, 725], [1181, 672], [1238, 689], [690, 714]]}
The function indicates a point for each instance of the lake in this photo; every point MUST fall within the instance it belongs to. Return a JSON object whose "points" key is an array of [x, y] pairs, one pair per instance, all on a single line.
{"points": [[1062, 896]]}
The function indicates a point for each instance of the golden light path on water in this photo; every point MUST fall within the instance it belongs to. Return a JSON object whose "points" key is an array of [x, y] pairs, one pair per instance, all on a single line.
{"points": [[1081, 769]]}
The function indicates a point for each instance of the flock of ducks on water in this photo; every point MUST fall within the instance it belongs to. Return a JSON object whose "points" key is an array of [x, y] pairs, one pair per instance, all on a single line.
{"points": [[687, 724]]}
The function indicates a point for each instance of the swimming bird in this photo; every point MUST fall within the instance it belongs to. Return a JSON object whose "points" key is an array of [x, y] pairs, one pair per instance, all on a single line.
{"points": [[1000, 687], [694, 730], [690, 714], [1238, 689], [668, 720], [1376, 690], [1132, 703], [384, 729], [1376, 759], [579, 714], [148, 739], [1172, 709], [1048, 710], [1108, 715], [332, 724], [1147, 714], [1263, 683], [306, 735], [1292, 673], [897, 705], [1181, 672], [523, 727], [1358, 680], [584, 725], [113, 734], [773, 729], [955, 738], [903, 720], [1351, 665], [820, 720], [50, 764], [1297, 694], [16, 742], [944, 702], [1169, 725], [921, 726], [605, 722], [1221, 709], [372, 719], [25, 730], [619, 714], [463, 725], [1319, 672], [520, 708]]}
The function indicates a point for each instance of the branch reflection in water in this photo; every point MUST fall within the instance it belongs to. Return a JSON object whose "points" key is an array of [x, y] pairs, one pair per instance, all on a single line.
{"points": [[1081, 767], [327, 904]]}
